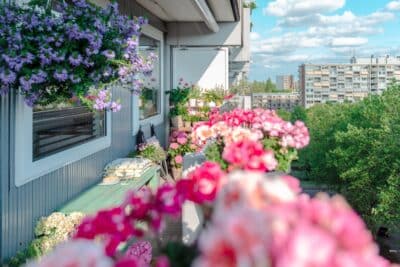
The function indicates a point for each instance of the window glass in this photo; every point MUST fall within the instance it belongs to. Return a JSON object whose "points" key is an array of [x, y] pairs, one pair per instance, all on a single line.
{"points": [[62, 126], [149, 100]]}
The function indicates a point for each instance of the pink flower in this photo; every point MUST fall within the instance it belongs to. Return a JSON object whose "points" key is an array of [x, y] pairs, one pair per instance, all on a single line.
{"points": [[231, 241], [182, 140], [162, 261], [78, 252], [249, 155], [205, 182], [252, 189], [179, 159], [174, 145], [141, 251], [168, 200]]}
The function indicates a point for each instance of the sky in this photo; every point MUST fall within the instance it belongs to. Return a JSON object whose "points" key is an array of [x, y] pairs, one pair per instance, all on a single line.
{"points": [[287, 33]]}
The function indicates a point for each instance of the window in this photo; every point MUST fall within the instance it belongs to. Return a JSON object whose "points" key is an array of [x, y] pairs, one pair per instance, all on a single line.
{"points": [[149, 100], [49, 139], [148, 108], [57, 129]]}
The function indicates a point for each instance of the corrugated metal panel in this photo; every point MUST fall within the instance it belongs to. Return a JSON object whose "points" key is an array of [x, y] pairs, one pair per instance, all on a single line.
{"points": [[21, 207], [4, 151]]}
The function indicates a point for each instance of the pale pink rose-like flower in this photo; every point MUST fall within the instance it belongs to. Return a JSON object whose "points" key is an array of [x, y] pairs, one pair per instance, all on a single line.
{"points": [[78, 252], [182, 140], [179, 159], [230, 242], [253, 189], [174, 145], [204, 132]]}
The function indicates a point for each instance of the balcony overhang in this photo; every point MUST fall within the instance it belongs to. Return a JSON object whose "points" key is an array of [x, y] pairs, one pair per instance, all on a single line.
{"points": [[209, 12]]}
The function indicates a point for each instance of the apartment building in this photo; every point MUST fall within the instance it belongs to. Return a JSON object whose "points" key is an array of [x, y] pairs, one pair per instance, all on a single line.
{"points": [[285, 82], [337, 83], [286, 101]]}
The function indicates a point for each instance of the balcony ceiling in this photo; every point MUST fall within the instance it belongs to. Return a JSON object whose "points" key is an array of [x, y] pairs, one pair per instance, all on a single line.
{"points": [[187, 10]]}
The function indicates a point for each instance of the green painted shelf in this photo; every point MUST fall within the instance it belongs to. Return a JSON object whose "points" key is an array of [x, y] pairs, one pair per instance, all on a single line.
{"points": [[105, 196]]}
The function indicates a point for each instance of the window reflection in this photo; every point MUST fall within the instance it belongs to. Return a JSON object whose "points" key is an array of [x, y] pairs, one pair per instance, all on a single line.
{"points": [[149, 100]]}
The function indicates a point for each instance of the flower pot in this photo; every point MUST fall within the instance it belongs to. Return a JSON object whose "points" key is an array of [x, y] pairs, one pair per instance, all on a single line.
{"points": [[177, 173], [187, 124], [192, 102], [177, 122]]}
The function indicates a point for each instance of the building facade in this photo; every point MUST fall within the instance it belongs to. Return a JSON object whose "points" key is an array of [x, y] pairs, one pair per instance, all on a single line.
{"points": [[285, 82], [203, 42], [285, 101], [338, 83]]}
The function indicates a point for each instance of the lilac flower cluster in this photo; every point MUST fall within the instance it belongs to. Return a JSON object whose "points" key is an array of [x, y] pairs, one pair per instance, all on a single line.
{"points": [[83, 46], [102, 101]]}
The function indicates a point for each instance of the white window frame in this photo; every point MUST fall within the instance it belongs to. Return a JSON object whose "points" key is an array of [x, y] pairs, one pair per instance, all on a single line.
{"points": [[26, 169], [158, 119]]}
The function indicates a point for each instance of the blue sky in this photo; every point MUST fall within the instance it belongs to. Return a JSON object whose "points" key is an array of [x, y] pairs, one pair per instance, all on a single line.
{"points": [[287, 33]]}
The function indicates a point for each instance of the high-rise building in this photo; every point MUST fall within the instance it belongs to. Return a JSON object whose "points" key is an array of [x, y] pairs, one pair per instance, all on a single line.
{"points": [[285, 82], [324, 83]]}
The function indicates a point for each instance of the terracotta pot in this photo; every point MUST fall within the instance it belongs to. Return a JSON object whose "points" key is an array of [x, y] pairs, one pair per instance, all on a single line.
{"points": [[177, 173], [187, 124], [177, 122]]}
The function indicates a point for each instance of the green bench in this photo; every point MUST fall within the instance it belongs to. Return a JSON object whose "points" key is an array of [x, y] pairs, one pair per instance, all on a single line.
{"points": [[105, 196]]}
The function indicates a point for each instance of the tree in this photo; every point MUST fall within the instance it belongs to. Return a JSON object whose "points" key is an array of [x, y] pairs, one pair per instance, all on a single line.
{"points": [[354, 149]]}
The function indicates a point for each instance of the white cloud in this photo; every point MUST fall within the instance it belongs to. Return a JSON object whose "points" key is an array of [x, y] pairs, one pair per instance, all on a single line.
{"points": [[254, 36], [393, 6], [348, 41], [298, 8], [347, 20]]}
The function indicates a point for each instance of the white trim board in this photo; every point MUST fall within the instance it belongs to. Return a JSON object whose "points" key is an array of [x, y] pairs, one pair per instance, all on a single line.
{"points": [[25, 169]]}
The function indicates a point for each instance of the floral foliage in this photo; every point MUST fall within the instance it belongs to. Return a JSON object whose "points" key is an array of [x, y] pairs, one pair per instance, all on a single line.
{"points": [[50, 55], [115, 226], [263, 221], [258, 220], [180, 144], [251, 139]]}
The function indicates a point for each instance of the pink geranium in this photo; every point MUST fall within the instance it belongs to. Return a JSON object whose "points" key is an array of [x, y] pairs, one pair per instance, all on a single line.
{"points": [[182, 140], [174, 145], [78, 252], [168, 199], [249, 155], [140, 251], [178, 159], [205, 182]]}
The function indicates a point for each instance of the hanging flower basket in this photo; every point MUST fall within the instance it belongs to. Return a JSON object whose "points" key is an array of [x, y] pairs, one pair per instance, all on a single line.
{"points": [[72, 53]]}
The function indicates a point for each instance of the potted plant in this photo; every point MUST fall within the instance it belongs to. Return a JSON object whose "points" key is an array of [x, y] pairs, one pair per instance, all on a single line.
{"points": [[194, 96], [59, 67], [180, 144], [187, 120], [153, 152], [176, 113]]}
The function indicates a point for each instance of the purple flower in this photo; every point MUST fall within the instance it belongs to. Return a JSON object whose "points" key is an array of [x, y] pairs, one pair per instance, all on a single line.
{"points": [[39, 77], [74, 79], [4, 89], [26, 84], [61, 76], [7, 77], [31, 99], [123, 71], [115, 107], [75, 60], [109, 54]]}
